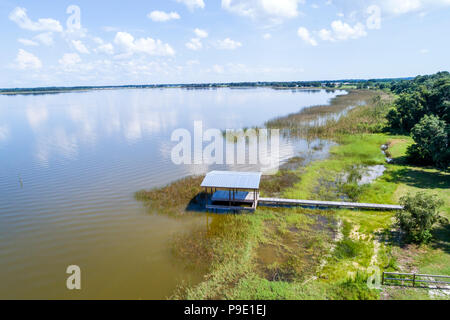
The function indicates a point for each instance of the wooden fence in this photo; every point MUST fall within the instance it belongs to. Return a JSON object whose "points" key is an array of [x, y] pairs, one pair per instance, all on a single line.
{"points": [[415, 278]]}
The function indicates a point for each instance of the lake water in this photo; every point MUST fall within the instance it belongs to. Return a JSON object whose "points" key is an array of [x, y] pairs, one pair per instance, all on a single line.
{"points": [[69, 167]]}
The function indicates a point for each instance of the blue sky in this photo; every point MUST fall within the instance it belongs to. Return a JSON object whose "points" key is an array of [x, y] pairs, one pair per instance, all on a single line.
{"points": [[66, 43]]}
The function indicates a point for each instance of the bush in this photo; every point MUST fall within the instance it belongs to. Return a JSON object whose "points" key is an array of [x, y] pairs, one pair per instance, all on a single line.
{"points": [[419, 215], [431, 137]]}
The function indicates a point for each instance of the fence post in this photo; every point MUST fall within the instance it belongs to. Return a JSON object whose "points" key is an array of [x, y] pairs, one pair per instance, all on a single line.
{"points": [[414, 280], [382, 279]]}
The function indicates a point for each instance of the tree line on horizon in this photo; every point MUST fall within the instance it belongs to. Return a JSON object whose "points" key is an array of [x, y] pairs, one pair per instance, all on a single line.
{"points": [[357, 83]]}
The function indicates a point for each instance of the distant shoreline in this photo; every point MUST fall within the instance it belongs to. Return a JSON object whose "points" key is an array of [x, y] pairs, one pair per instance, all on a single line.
{"points": [[67, 90], [312, 85]]}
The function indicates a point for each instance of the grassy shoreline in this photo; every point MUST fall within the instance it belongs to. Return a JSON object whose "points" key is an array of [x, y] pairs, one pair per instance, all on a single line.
{"points": [[295, 253]]}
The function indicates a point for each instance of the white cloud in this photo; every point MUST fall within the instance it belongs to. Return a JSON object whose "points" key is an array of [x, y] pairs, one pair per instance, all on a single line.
{"points": [[218, 68], [105, 48], [275, 9], [424, 51], [194, 44], [45, 38], [80, 47], [27, 42], [192, 62], [267, 36], [402, 6], [200, 33], [397, 7], [69, 59], [26, 60], [149, 46], [281, 8], [193, 4], [325, 35], [342, 31], [304, 34], [228, 44], [242, 69], [161, 16], [19, 16]]}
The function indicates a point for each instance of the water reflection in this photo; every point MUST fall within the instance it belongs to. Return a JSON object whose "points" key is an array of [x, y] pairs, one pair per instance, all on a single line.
{"points": [[4, 133], [133, 115]]}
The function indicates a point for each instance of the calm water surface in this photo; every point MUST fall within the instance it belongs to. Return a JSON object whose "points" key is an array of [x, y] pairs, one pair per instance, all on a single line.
{"points": [[70, 165]]}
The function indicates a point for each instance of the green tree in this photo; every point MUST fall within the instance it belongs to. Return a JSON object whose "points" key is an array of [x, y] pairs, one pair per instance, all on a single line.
{"points": [[411, 109], [419, 215], [431, 137], [394, 118], [423, 95]]}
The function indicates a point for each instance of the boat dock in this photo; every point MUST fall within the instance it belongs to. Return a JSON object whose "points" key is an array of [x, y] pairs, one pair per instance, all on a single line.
{"points": [[227, 190]]}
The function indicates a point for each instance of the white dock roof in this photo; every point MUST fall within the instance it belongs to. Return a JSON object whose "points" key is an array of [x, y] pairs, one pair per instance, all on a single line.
{"points": [[232, 180]]}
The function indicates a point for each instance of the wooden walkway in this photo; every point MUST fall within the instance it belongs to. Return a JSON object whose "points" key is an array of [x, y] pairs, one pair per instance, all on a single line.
{"points": [[328, 204]]}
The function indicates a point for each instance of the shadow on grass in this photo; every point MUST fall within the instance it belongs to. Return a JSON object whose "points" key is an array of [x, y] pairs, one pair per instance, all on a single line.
{"points": [[416, 177], [441, 238], [403, 160]]}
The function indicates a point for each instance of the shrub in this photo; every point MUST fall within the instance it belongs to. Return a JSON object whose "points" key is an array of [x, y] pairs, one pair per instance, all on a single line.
{"points": [[419, 215]]}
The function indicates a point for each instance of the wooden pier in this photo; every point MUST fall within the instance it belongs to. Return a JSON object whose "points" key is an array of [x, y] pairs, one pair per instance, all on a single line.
{"points": [[328, 204]]}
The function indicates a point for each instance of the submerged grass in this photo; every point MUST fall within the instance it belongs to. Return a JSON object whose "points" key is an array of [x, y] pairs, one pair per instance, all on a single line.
{"points": [[360, 111]]}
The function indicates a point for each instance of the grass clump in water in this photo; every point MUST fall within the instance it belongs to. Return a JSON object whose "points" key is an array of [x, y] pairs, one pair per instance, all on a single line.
{"points": [[273, 185], [177, 198]]}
